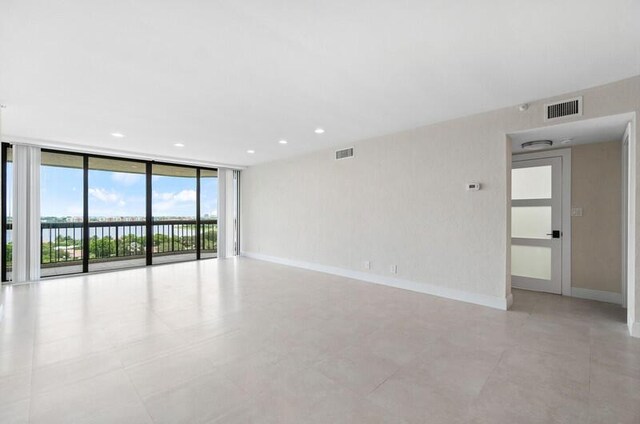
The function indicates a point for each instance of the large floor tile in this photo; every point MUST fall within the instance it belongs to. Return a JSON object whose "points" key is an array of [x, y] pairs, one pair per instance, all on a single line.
{"points": [[346, 408], [357, 369], [446, 366], [53, 376], [70, 348], [200, 400], [613, 397], [416, 401], [15, 387], [15, 412], [168, 371], [107, 398], [149, 348], [503, 400]]}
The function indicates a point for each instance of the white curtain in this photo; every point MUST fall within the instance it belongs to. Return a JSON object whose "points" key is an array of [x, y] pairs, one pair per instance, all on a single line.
{"points": [[226, 213], [26, 213]]}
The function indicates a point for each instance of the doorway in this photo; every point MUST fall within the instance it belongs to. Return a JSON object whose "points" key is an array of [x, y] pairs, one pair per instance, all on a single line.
{"points": [[536, 224], [571, 203]]}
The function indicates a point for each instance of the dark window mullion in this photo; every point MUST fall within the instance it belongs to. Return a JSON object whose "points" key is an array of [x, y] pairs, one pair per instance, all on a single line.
{"points": [[3, 189], [198, 188], [149, 218], [85, 213]]}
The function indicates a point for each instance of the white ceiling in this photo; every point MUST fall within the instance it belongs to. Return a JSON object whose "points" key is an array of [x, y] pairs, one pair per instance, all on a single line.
{"points": [[597, 130], [226, 76]]}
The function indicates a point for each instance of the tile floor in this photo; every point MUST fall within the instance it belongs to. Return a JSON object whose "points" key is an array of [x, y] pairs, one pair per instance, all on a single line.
{"points": [[243, 341], [116, 264]]}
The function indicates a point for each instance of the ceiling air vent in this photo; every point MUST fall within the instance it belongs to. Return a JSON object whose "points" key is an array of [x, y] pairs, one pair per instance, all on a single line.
{"points": [[344, 153], [570, 107]]}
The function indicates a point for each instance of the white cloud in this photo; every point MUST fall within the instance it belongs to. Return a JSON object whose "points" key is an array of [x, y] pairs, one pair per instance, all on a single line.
{"points": [[167, 201], [104, 195], [186, 196], [126, 179]]}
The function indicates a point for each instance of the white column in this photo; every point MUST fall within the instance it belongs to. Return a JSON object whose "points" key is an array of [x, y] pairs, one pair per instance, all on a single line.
{"points": [[226, 205], [222, 212], [26, 213], [229, 205]]}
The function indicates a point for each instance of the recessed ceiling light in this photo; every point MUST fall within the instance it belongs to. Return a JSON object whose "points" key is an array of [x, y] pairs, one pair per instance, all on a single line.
{"points": [[178, 144], [251, 151], [118, 135], [282, 141], [319, 131]]}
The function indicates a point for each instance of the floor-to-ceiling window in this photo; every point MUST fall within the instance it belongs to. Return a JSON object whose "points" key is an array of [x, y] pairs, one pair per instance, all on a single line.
{"points": [[100, 213], [174, 209], [61, 213], [117, 213], [208, 213], [7, 210]]}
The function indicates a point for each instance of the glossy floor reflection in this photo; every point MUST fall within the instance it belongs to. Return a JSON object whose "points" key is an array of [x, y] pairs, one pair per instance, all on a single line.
{"points": [[243, 341]]}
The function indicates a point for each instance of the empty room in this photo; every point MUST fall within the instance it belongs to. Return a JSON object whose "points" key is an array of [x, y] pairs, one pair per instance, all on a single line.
{"points": [[278, 211]]}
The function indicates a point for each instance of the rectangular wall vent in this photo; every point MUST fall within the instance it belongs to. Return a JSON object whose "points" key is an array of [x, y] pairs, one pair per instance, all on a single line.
{"points": [[570, 107], [344, 153]]}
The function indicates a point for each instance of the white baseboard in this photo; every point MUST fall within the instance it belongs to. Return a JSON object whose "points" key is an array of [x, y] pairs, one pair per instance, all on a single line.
{"points": [[600, 295], [634, 329], [509, 301], [432, 289]]}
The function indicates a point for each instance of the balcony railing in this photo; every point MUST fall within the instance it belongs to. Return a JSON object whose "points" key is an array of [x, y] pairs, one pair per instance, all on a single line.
{"points": [[62, 242]]}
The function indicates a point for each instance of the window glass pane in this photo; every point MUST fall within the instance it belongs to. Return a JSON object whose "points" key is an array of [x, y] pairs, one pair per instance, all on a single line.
{"points": [[174, 213], [117, 213], [531, 222], [9, 240], [61, 206], [531, 183], [531, 261], [208, 213]]}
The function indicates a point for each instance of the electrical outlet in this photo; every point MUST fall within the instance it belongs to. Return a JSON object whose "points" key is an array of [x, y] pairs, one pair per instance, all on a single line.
{"points": [[366, 265], [393, 269], [576, 211]]}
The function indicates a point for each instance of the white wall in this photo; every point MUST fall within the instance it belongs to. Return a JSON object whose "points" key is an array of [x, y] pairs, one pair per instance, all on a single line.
{"points": [[402, 200], [596, 188]]}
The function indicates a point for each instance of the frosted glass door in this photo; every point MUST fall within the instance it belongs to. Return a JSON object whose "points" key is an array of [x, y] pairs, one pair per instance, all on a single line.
{"points": [[535, 224]]}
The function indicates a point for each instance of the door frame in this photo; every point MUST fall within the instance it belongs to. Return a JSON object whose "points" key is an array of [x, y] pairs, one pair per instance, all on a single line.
{"points": [[565, 208], [626, 139]]}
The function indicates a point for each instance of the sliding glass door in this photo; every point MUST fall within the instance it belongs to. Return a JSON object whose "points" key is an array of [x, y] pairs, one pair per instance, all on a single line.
{"points": [[61, 213], [101, 213], [117, 213], [7, 211], [175, 203], [208, 213]]}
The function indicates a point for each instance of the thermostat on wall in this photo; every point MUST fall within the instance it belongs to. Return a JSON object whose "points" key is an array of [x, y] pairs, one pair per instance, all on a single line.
{"points": [[473, 186]]}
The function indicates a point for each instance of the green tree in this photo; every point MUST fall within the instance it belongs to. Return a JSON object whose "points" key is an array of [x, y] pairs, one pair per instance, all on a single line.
{"points": [[9, 257], [104, 247]]}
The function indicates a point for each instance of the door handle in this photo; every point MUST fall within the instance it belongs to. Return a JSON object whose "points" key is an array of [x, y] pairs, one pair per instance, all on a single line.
{"points": [[555, 234]]}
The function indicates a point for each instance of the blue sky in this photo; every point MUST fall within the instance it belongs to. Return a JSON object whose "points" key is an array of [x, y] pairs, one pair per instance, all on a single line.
{"points": [[123, 194]]}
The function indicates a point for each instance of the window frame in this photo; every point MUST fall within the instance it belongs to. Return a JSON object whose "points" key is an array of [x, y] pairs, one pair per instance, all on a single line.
{"points": [[85, 213]]}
